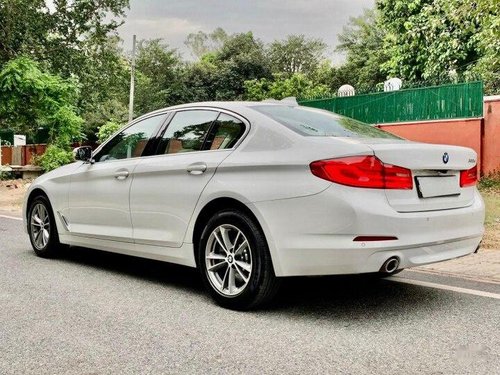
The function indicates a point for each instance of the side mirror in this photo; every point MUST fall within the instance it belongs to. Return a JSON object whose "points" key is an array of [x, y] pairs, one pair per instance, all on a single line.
{"points": [[83, 153]]}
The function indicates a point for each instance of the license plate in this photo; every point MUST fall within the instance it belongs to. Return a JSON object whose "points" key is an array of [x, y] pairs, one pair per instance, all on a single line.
{"points": [[437, 186]]}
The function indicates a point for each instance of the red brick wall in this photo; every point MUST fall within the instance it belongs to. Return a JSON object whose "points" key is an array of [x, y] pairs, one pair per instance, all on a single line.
{"points": [[491, 139], [6, 155]]}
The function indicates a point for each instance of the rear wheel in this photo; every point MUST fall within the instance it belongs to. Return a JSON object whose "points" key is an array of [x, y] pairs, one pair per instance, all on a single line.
{"points": [[235, 263], [42, 228]]}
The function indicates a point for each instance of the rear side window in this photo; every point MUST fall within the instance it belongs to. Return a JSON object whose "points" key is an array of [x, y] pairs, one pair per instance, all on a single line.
{"points": [[316, 122], [187, 131], [226, 132]]}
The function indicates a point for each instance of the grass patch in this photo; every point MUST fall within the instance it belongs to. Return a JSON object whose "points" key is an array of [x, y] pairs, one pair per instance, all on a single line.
{"points": [[490, 191], [490, 182], [492, 202]]}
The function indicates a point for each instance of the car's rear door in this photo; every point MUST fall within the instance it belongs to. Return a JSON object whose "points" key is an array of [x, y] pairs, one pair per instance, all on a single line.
{"points": [[166, 187], [99, 192]]}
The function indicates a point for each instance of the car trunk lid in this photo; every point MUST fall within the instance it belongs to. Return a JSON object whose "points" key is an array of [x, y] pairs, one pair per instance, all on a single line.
{"points": [[436, 174]]}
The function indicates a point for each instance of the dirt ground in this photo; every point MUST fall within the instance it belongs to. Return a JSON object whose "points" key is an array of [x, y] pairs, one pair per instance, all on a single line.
{"points": [[12, 193]]}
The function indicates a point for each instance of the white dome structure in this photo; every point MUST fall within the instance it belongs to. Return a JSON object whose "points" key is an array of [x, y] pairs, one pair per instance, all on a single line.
{"points": [[393, 84], [346, 90]]}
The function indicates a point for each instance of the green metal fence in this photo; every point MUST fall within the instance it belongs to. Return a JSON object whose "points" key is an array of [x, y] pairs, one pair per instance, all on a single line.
{"points": [[461, 100]]}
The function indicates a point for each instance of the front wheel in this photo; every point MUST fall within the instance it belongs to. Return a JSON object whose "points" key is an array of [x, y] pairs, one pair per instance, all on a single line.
{"points": [[42, 228], [235, 263]]}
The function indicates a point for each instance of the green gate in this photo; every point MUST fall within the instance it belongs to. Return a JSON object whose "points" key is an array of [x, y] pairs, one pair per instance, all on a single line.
{"points": [[461, 100]]}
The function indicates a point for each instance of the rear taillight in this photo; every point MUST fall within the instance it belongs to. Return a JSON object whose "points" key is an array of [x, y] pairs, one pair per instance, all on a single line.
{"points": [[363, 171], [468, 177]]}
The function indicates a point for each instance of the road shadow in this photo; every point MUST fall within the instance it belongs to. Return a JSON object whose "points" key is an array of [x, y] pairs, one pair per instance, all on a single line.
{"points": [[355, 298], [348, 297], [154, 271]]}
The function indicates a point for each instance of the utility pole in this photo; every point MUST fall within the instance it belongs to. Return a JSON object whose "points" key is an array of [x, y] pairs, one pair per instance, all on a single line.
{"points": [[132, 84]]}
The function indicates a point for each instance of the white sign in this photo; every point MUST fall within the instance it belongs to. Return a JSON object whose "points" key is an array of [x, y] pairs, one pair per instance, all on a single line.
{"points": [[19, 140]]}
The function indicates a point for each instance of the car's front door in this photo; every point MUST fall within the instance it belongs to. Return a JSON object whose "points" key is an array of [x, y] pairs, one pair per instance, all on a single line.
{"points": [[99, 192], [167, 186]]}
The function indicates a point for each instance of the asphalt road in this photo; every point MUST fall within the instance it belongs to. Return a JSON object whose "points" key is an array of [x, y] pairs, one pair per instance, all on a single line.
{"points": [[93, 312]]}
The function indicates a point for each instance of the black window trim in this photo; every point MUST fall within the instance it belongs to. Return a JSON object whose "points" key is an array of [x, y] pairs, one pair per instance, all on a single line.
{"points": [[237, 116], [149, 150]]}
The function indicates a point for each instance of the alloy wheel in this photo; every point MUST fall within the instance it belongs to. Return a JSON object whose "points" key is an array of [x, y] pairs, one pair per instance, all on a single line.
{"points": [[228, 260], [40, 226]]}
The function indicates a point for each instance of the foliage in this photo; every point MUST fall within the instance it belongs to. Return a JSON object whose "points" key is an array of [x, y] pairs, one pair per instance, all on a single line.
{"points": [[157, 68], [73, 39], [296, 54], [436, 40], [30, 98], [486, 13], [163, 79], [61, 34], [104, 85], [201, 43], [241, 58], [107, 130], [111, 109], [490, 182], [362, 40], [55, 157], [297, 85], [6, 175]]}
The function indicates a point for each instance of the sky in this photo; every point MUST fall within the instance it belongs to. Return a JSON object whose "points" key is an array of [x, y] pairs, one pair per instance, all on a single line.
{"points": [[267, 19]]}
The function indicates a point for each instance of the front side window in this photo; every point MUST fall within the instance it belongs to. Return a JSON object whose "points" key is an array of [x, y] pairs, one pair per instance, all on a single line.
{"points": [[187, 131], [131, 142], [316, 122], [226, 132]]}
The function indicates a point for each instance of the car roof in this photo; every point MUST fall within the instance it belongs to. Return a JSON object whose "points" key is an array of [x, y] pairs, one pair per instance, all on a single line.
{"points": [[229, 105]]}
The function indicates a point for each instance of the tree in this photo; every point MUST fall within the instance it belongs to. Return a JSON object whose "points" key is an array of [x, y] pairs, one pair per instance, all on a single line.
{"points": [[73, 39], [157, 74], [201, 43], [487, 66], [280, 87], [362, 39], [241, 58], [30, 98], [296, 54], [434, 40]]}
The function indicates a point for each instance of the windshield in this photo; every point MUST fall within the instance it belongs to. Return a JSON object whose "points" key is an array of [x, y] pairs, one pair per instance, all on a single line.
{"points": [[317, 122]]}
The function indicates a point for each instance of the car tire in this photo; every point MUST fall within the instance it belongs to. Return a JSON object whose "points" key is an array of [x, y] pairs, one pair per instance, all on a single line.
{"points": [[235, 263], [42, 228]]}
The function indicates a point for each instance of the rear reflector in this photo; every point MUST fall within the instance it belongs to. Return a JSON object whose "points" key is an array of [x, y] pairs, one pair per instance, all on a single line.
{"points": [[468, 177], [374, 238], [363, 171]]}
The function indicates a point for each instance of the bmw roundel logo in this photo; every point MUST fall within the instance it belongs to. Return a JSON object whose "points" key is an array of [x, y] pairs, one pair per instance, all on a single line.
{"points": [[446, 157]]}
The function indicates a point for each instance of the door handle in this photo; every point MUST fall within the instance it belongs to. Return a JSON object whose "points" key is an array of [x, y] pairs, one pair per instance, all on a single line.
{"points": [[121, 175], [196, 168]]}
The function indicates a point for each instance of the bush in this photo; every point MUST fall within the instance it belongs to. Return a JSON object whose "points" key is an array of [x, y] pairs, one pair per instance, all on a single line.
{"points": [[54, 157], [6, 175], [107, 130], [490, 182]]}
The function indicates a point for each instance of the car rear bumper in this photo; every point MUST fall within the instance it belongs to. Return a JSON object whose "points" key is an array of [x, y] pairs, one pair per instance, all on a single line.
{"points": [[314, 235]]}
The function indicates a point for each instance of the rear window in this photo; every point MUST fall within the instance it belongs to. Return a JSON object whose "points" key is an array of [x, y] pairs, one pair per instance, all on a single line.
{"points": [[317, 122]]}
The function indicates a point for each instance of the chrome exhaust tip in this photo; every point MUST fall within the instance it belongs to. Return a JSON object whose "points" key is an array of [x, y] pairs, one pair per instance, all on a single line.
{"points": [[390, 265]]}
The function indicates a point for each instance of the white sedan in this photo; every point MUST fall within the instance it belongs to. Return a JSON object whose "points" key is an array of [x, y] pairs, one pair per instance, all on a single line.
{"points": [[250, 192]]}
